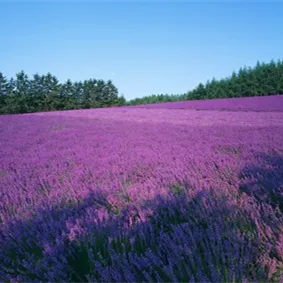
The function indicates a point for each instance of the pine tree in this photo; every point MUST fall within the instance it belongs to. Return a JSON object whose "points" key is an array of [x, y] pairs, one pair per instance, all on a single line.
{"points": [[3, 92]]}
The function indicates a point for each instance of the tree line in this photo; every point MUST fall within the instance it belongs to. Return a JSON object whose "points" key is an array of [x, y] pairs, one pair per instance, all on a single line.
{"points": [[262, 79], [44, 93]]}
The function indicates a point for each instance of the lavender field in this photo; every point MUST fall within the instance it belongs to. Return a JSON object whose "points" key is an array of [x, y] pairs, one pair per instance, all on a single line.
{"points": [[143, 195], [257, 103]]}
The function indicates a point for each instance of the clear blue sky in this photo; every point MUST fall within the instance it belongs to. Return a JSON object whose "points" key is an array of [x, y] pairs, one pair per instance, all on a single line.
{"points": [[144, 47]]}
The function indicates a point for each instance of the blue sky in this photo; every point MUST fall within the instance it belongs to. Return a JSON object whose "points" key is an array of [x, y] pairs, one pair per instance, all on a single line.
{"points": [[145, 47]]}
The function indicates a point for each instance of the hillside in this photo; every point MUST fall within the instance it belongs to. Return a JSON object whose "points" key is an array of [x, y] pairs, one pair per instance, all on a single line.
{"points": [[257, 103]]}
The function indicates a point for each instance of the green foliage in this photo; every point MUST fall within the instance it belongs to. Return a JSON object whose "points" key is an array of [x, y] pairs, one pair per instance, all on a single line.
{"points": [[157, 98], [263, 79], [177, 189], [45, 93]]}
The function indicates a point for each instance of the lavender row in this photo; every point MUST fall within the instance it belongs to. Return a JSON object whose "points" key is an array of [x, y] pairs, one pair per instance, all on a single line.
{"points": [[260, 103]]}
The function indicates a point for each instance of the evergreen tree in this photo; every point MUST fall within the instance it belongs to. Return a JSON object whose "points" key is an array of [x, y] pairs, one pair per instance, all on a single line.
{"points": [[45, 93], [21, 93], [4, 88], [111, 94], [68, 96], [51, 90], [263, 79]]}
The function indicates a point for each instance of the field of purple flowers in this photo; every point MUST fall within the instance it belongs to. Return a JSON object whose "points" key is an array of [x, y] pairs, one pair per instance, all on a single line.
{"points": [[133, 194], [257, 103]]}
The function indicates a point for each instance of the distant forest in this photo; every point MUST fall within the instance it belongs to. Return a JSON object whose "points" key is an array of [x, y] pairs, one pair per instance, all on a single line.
{"points": [[263, 79], [44, 92]]}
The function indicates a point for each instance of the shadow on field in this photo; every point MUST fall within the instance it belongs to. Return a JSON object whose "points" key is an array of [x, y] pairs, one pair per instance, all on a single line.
{"points": [[264, 181], [174, 238], [201, 239]]}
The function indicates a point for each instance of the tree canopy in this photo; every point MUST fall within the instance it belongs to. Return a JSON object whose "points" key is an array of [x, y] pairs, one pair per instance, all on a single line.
{"points": [[44, 93], [263, 79]]}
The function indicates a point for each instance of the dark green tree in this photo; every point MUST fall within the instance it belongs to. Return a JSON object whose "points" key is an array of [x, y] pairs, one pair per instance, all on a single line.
{"points": [[262, 79], [4, 91]]}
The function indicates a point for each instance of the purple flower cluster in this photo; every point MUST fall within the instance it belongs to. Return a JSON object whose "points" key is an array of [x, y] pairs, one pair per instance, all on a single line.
{"points": [[256, 103], [132, 194]]}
